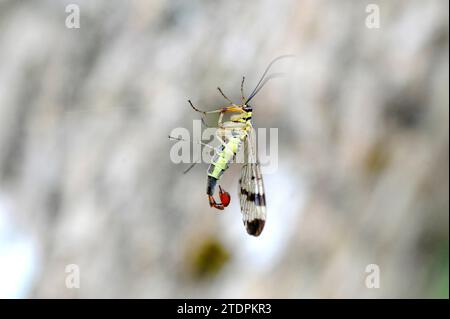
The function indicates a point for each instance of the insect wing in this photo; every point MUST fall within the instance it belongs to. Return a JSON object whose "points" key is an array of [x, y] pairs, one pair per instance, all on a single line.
{"points": [[251, 190]]}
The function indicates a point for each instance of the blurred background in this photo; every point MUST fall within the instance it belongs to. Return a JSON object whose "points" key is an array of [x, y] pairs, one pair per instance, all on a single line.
{"points": [[86, 178]]}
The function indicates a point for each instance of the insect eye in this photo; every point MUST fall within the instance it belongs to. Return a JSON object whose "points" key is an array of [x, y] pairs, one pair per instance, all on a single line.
{"points": [[247, 108]]}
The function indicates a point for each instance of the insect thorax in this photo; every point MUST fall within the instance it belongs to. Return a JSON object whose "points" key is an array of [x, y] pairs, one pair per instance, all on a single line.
{"points": [[243, 117]]}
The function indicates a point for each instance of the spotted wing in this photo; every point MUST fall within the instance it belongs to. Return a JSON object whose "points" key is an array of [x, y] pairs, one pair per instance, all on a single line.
{"points": [[251, 190]]}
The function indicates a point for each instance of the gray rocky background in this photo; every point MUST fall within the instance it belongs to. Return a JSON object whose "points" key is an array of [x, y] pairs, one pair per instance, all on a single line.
{"points": [[86, 178]]}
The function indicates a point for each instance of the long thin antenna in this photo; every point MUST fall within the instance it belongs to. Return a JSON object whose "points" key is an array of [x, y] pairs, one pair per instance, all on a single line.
{"points": [[256, 89], [267, 79]]}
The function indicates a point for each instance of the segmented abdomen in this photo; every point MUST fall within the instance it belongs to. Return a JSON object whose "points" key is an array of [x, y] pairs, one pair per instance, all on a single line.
{"points": [[222, 159]]}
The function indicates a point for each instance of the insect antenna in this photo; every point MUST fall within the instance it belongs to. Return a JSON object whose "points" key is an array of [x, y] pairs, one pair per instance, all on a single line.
{"points": [[263, 80], [267, 79]]}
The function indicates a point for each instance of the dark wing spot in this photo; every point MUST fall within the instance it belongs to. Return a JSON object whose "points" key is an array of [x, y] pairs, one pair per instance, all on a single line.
{"points": [[255, 227], [257, 199], [262, 200]]}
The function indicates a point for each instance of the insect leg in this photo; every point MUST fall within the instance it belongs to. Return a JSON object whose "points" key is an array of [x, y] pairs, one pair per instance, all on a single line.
{"points": [[204, 112], [197, 142], [242, 90], [226, 109], [223, 94]]}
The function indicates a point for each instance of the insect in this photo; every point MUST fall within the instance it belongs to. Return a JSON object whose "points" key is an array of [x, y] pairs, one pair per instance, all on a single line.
{"points": [[232, 134]]}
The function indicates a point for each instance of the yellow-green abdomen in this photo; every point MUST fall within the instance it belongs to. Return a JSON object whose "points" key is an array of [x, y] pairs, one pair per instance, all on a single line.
{"points": [[220, 161]]}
